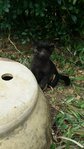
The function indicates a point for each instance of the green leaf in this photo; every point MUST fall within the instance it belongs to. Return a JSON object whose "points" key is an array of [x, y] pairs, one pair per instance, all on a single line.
{"points": [[52, 146], [59, 2], [6, 9], [74, 2], [78, 78], [74, 18]]}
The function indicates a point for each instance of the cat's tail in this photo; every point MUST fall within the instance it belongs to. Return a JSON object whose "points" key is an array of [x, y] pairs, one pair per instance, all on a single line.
{"points": [[66, 79], [57, 77]]}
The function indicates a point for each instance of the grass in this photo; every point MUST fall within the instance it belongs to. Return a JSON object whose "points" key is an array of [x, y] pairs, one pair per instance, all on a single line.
{"points": [[69, 122], [67, 102], [69, 105]]}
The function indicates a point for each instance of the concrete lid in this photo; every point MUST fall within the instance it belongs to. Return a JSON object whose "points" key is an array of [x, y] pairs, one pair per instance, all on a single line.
{"points": [[18, 94]]}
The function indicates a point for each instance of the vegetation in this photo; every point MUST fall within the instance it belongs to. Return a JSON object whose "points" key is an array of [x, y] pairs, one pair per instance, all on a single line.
{"points": [[47, 19], [61, 22]]}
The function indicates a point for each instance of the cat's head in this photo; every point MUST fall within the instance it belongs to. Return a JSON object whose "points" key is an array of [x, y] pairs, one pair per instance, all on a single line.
{"points": [[43, 49]]}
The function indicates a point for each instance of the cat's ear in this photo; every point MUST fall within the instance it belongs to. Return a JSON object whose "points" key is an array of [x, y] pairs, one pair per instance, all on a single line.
{"points": [[51, 47]]}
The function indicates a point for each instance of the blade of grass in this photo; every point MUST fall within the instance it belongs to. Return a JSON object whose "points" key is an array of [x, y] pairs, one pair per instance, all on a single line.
{"points": [[68, 139]]}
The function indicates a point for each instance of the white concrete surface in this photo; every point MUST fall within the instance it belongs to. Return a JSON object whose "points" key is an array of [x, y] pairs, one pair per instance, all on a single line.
{"points": [[24, 113]]}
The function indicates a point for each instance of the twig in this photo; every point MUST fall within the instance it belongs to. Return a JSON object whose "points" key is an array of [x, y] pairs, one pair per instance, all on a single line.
{"points": [[77, 143], [13, 44]]}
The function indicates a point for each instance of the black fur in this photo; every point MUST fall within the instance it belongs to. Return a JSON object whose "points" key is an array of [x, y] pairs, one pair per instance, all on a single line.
{"points": [[43, 68]]}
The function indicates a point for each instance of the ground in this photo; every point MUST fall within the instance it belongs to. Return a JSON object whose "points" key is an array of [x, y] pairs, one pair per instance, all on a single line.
{"points": [[66, 103]]}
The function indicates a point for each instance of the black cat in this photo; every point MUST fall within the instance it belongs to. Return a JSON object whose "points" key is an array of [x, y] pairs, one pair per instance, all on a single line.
{"points": [[43, 68]]}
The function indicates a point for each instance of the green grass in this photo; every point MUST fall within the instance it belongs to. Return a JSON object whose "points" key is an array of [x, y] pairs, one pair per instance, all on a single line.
{"points": [[69, 121]]}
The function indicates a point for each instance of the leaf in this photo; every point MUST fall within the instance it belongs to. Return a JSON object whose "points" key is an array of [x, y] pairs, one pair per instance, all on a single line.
{"points": [[74, 18], [80, 132], [78, 78], [74, 2], [52, 146], [59, 2], [6, 9]]}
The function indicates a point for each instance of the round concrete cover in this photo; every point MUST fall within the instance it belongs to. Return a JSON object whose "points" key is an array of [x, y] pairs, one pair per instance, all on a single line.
{"points": [[18, 94]]}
